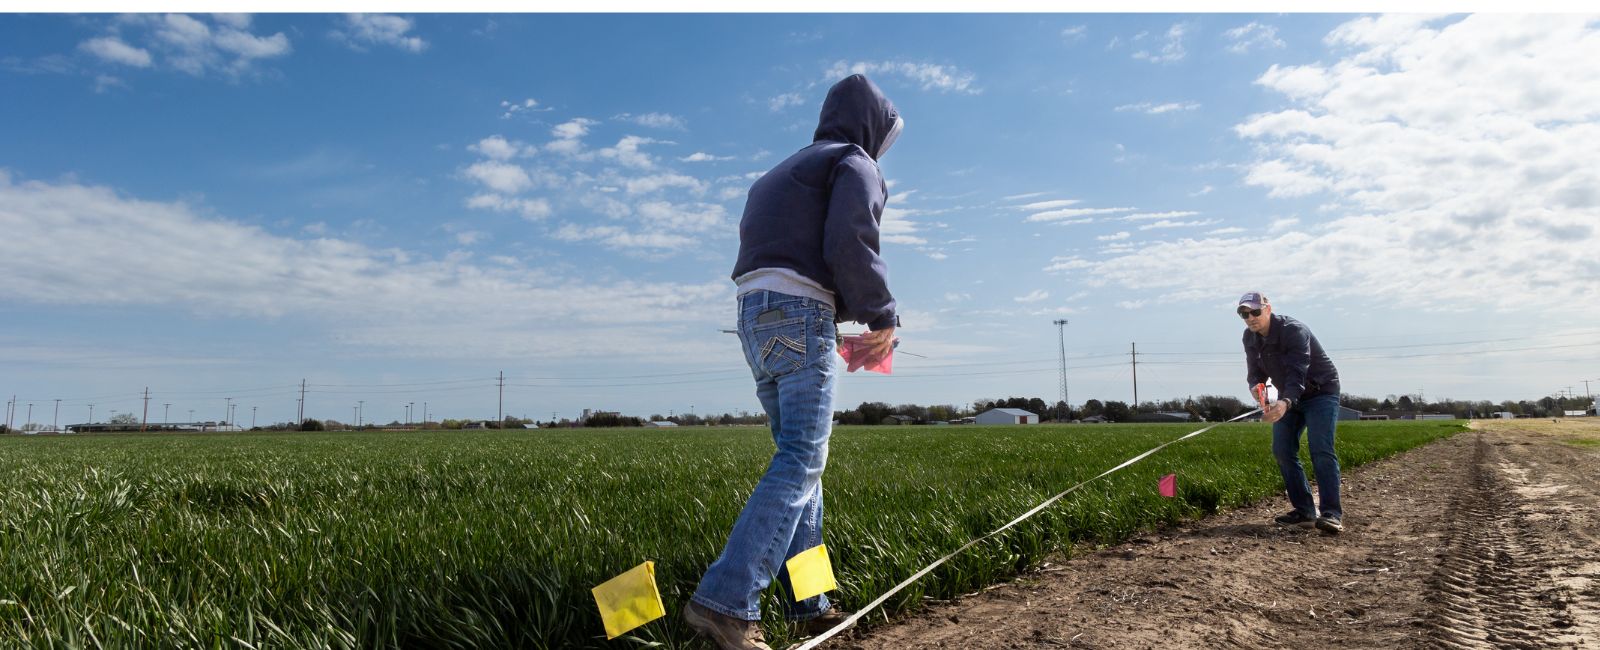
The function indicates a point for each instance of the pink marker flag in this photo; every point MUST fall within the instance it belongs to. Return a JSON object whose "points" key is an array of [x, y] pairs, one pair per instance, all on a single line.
{"points": [[857, 355], [1169, 485]]}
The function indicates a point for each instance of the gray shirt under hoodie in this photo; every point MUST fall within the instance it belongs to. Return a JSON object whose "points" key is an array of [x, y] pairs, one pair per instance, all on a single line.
{"points": [[810, 225]]}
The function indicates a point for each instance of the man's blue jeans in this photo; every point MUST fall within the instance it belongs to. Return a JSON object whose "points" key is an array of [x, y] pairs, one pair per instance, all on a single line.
{"points": [[1317, 417], [792, 355]]}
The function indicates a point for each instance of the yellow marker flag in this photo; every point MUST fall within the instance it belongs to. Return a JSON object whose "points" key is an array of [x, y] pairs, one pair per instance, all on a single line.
{"points": [[810, 573], [629, 600]]}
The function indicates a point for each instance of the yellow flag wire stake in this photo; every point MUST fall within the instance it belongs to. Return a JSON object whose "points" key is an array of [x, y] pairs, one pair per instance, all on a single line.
{"points": [[817, 640]]}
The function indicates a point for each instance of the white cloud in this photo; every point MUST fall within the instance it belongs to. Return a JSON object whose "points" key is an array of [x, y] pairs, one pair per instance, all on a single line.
{"points": [[1148, 216], [688, 218], [1075, 32], [572, 129], [187, 44], [1156, 109], [111, 48], [510, 108], [1230, 230], [896, 226], [701, 156], [1072, 213], [529, 209], [929, 76], [469, 237], [628, 154], [957, 297], [1068, 264], [363, 30], [1280, 225], [1202, 191], [500, 177], [1047, 205], [1168, 223], [784, 101], [498, 148], [1131, 304], [1171, 48], [1114, 237], [658, 182], [624, 238], [1035, 296], [1253, 34], [656, 120], [1455, 158], [1019, 197], [392, 303]]}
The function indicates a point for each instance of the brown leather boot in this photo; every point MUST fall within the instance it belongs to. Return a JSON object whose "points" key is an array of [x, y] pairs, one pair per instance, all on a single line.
{"points": [[727, 632]]}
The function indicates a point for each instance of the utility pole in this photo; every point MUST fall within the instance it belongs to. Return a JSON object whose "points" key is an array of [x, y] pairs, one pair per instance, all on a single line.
{"points": [[30, 417], [145, 419], [91, 414], [424, 414], [252, 417], [166, 409], [1061, 329], [352, 413], [55, 420], [500, 411], [227, 409], [302, 415], [1135, 355], [361, 405]]}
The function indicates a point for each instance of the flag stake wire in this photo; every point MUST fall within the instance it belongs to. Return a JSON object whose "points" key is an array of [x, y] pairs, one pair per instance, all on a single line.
{"points": [[817, 640]]}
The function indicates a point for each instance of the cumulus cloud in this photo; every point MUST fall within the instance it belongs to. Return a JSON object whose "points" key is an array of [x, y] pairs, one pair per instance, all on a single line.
{"points": [[509, 109], [627, 153], [1075, 32], [500, 177], [1254, 35], [1451, 156], [529, 209], [1034, 296], [498, 148], [1114, 237], [929, 76], [361, 31], [186, 43]]}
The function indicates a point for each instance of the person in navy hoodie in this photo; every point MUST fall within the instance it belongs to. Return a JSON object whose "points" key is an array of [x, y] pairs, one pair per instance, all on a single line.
{"points": [[808, 259], [1284, 350]]}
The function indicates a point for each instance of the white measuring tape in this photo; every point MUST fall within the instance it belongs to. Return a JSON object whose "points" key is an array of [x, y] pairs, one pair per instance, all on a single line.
{"points": [[816, 641]]}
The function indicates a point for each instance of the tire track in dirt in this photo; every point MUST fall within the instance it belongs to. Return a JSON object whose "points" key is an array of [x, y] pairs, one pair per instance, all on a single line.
{"points": [[1491, 589]]}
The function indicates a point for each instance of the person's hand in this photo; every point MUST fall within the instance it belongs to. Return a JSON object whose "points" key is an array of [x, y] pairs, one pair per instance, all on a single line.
{"points": [[882, 342], [1275, 411]]}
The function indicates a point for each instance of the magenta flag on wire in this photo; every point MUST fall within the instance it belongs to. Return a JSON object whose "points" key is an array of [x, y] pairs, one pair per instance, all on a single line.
{"points": [[1169, 485]]}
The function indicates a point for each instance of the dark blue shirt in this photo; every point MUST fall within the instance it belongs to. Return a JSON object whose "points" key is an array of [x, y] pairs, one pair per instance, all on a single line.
{"points": [[1291, 356], [817, 212]]}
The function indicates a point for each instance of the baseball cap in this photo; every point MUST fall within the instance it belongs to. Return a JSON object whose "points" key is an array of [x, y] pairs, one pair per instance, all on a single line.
{"points": [[1253, 300]]}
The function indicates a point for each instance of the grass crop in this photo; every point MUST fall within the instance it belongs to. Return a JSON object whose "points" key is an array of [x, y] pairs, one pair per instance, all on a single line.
{"points": [[494, 538]]}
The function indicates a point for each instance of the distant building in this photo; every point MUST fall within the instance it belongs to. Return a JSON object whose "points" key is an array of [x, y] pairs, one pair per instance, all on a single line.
{"points": [[899, 419], [1095, 419], [1007, 416], [660, 424], [1347, 413], [1576, 414], [1435, 416], [1161, 416], [1505, 415]]}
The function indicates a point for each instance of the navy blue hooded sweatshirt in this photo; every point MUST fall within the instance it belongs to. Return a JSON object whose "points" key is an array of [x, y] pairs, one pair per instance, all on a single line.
{"points": [[1292, 357], [817, 212]]}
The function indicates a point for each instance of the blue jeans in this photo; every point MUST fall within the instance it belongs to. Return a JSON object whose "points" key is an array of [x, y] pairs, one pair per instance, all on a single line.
{"points": [[1317, 416], [792, 355]]}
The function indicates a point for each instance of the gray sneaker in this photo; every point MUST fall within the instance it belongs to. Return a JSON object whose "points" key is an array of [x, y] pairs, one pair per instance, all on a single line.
{"points": [[1330, 524], [727, 632], [1295, 518]]}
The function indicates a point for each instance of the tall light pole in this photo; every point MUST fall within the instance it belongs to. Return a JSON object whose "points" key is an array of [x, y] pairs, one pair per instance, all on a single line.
{"points": [[191, 416], [252, 417], [361, 405], [55, 420], [91, 414], [226, 409], [166, 409], [424, 414], [1061, 330]]}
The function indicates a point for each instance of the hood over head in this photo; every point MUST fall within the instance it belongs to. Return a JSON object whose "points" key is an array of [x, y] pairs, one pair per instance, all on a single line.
{"points": [[856, 111]]}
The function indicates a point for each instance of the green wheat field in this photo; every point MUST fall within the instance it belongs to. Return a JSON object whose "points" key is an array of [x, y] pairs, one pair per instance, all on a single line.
{"points": [[494, 538]]}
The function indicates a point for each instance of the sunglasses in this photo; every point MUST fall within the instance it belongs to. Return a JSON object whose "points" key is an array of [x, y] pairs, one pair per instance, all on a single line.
{"points": [[1246, 313]]}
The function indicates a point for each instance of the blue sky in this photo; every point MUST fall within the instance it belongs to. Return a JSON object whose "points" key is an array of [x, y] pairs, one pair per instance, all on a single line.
{"points": [[398, 207]]}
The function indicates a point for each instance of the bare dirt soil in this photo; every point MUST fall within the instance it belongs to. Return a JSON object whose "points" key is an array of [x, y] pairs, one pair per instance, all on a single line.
{"points": [[1489, 539]]}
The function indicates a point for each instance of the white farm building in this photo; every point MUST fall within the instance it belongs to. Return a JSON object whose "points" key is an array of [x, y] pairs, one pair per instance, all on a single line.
{"points": [[1007, 416]]}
